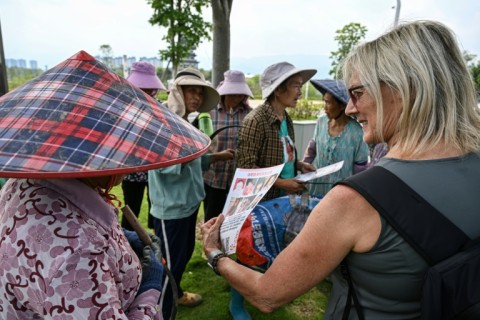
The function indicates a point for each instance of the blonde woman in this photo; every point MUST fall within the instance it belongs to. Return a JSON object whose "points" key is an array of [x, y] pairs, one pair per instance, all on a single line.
{"points": [[412, 89]]}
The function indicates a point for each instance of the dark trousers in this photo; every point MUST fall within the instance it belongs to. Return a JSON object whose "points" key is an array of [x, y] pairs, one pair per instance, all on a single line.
{"points": [[133, 195], [178, 243], [214, 201]]}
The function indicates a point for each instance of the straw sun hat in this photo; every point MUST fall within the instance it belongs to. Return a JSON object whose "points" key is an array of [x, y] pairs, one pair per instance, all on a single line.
{"points": [[79, 119], [191, 77], [275, 74]]}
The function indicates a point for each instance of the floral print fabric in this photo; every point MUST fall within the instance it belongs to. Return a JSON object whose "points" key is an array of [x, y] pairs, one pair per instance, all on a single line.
{"points": [[63, 255]]}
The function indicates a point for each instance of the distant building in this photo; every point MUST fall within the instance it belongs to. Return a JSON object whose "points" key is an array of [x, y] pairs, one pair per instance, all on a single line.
{"points": [[11, 63], [33, 64], [21, 63], [155, 61], [190, 61], [118, 62], [121, 62], [131, 60]]}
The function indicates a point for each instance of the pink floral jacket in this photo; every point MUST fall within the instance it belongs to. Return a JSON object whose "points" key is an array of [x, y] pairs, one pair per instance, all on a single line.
{"points": [[63, 255]]}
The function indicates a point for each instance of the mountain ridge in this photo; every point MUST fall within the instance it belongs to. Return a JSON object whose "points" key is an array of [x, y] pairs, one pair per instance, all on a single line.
{"points": [[256, 65]]}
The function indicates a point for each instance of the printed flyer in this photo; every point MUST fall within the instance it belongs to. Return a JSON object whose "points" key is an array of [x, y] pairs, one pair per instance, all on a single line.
{"points": [[247, 189]]}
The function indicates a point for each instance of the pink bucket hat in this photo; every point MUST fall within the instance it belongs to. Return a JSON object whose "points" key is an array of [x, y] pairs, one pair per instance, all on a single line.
{"points": [[79, 119], [143, 76], [234, 83]]}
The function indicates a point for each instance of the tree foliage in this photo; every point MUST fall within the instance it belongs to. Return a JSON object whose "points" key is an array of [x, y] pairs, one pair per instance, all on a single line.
{"points": [[475, 70], [185, 27], [17, 76], [347, 37], [474, 66], [106, 54]]}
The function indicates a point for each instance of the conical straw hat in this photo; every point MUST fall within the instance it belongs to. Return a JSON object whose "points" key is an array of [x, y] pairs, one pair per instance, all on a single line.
{"points": [[79, 119]]}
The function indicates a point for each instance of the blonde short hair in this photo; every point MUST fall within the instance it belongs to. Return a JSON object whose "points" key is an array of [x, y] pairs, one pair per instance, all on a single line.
{"points": [[422, 62]]}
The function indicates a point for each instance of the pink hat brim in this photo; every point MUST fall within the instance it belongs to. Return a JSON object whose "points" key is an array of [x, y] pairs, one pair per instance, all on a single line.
{"points": [[146, 81]]}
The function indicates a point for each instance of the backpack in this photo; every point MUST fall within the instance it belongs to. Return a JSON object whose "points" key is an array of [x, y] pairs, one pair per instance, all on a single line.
{"points": [[451, 287]]}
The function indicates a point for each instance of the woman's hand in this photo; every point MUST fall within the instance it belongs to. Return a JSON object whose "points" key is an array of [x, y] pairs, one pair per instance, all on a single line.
{"points": [[290, 185], [305, 167], [227, 154], [211, 234]]}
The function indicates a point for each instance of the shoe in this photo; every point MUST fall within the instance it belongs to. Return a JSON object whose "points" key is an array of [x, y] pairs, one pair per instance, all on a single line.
{"points": [[190, 299]]}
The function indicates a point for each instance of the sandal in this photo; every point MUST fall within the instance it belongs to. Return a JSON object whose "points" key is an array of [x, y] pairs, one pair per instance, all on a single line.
{"points": [[190, 299]]}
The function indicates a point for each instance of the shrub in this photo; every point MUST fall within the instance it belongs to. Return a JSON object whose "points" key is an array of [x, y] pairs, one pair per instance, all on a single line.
{"points": [[306, 110]]}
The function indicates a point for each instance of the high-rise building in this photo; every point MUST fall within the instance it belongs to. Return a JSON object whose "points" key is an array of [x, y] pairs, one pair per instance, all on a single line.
{"points": [[118, 62], [154, 60], [11, 63], [33, 64], [22, 63]]}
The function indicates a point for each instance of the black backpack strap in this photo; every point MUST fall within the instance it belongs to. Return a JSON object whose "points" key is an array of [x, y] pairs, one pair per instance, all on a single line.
{"points": [[351, 295], [429, 232]]}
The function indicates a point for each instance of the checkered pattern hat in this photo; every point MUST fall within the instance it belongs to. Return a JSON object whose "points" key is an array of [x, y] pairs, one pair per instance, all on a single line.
{"points": [[79, 119]]}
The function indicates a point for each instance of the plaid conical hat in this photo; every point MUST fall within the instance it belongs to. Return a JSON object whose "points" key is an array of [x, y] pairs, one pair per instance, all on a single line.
{"points": [[79, 119]]}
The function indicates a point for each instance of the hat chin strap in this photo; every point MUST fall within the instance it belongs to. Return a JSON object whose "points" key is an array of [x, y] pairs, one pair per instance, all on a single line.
{"points": [[105, 193]]}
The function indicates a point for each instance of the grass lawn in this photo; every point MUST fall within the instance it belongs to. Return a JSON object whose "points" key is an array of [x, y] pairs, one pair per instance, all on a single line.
{"points": [[215, 290]]}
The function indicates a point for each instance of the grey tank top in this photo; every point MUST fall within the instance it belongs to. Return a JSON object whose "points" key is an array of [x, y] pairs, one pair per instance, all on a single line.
{"points": [[388, 279]]}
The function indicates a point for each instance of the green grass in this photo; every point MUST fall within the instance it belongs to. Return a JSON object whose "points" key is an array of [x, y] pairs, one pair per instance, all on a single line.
{"points": [[199, 278]]}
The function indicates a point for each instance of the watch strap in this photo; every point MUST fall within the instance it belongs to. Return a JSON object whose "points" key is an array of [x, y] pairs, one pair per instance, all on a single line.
{"points": [[213, 258]]}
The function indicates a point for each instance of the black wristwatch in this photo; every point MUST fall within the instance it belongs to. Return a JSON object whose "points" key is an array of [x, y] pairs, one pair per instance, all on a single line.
{"points": [[213, 258]]}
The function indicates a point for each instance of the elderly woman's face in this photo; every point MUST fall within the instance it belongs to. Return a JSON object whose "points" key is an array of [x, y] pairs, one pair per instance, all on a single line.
{"points": [[292, 92], [193, 98], [232, 101], [333, 108], [362, 105]]}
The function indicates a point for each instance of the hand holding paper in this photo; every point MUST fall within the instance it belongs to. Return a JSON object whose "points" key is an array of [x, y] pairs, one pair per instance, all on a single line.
{"points": [[320, 172]]}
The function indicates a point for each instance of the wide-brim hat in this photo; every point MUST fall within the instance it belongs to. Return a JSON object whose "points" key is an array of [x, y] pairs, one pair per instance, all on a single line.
{"points": [[275, 74], [234, 83], [143, 75], [336, 88], [79, 119], [193, 77]]}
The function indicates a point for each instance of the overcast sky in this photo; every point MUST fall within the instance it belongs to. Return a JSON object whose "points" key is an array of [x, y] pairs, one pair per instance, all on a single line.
{"points": [[50, 31]]}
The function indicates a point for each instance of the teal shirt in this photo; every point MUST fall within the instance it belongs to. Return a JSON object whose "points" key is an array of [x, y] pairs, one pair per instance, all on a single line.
{"points": [[348, 146], [288, 170], [176, 191]]}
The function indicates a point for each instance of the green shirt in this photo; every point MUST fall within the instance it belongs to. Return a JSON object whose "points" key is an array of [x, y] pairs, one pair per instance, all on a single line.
{"points": [[176, 191]]}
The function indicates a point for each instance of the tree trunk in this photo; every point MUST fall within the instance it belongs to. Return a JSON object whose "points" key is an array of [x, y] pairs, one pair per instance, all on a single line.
{"points": [[221, 10], [3, 68]]}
